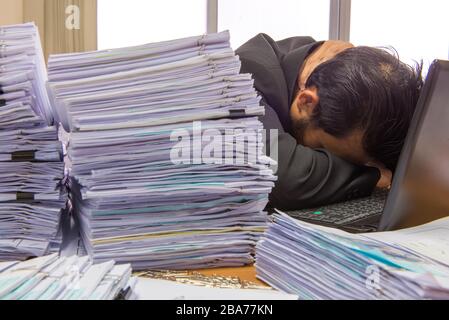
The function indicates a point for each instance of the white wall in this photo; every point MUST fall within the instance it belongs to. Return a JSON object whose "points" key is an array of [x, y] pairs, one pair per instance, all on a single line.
{"points": [[417, 29], [279, 19], [132, 22]]}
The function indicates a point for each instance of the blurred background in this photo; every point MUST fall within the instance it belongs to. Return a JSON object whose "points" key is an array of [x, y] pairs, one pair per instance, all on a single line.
{"points": [[417, 29]]}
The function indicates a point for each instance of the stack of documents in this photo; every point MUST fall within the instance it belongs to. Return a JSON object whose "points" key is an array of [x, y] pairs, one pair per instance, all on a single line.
{"points": [[64, 278], [147, 187], [23, 75], [31, 166], [316, 262]]}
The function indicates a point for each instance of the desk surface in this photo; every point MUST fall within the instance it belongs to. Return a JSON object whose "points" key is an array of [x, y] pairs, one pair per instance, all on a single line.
{"points": [[244, 273]]}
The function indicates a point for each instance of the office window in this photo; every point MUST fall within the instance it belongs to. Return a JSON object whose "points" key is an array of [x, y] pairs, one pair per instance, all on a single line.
{"points": [[133, 22], [417, 29], [279, 19]]}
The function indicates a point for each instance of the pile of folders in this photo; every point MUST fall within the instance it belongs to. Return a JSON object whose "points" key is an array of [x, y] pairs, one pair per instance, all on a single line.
{"points": [[321, 263], [65, 278], [164, 166], [165, 153], [31, 166]]}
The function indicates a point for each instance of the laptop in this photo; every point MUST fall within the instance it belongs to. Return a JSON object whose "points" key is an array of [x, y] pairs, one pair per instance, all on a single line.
{"points": [[420, 188]]}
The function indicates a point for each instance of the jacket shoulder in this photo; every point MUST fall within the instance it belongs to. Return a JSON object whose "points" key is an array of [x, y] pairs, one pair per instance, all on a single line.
{"points": [[263, 41]]}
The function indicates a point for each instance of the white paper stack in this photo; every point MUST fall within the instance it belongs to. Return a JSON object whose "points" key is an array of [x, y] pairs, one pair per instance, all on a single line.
{"points": [[316, 262], [23, 74], [31, 166], [127, 111], [63, 278]]}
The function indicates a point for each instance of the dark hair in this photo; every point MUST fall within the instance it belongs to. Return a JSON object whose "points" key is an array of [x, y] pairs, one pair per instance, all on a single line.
{"points": [[371, 90]]}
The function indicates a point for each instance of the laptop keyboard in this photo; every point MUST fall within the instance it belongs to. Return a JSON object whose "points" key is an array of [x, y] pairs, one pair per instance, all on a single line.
{"points": [[346, 212]]}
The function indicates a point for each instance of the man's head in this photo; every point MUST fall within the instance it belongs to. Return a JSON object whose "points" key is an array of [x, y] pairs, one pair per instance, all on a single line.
{"points": [[356, 102]]}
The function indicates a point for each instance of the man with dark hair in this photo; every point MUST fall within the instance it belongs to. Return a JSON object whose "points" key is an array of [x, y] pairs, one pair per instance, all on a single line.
{"points": [[342, 112]]}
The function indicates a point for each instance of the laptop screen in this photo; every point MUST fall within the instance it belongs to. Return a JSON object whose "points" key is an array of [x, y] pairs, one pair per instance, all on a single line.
{"points": [[420, 190]]}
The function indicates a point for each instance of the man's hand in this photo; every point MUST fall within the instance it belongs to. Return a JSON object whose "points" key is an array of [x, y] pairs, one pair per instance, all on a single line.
{"points": [[385, 179], [385, 175]]}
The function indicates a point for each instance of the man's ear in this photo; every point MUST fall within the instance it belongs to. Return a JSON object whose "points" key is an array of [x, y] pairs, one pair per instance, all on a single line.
{"points": [[307, 101]]}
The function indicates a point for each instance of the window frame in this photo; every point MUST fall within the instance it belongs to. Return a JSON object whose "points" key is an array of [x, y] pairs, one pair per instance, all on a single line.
{"points": [[340, 20]]}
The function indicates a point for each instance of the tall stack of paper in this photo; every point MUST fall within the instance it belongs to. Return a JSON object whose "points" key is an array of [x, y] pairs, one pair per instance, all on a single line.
{"points": [[322, 263], [148, 187], [63, 278], [31, 167]]}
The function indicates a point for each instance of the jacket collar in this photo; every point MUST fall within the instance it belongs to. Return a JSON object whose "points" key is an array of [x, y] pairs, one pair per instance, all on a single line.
{"points": [[291, 64]]}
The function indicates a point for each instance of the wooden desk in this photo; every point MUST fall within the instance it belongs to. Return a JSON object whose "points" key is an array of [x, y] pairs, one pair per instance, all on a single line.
{"points": [[244, 273]]}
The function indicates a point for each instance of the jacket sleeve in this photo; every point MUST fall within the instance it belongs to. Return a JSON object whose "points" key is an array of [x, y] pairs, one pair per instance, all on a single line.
{"points": [[310, 178]]}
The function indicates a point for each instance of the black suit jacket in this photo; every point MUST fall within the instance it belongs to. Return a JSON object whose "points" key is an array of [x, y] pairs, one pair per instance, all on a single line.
{"points": [[306, 177]]}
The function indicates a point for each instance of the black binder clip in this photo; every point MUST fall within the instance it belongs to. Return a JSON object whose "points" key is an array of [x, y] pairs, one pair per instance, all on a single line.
{"points": [[23, 156], [24, 196], [237, 113]]}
